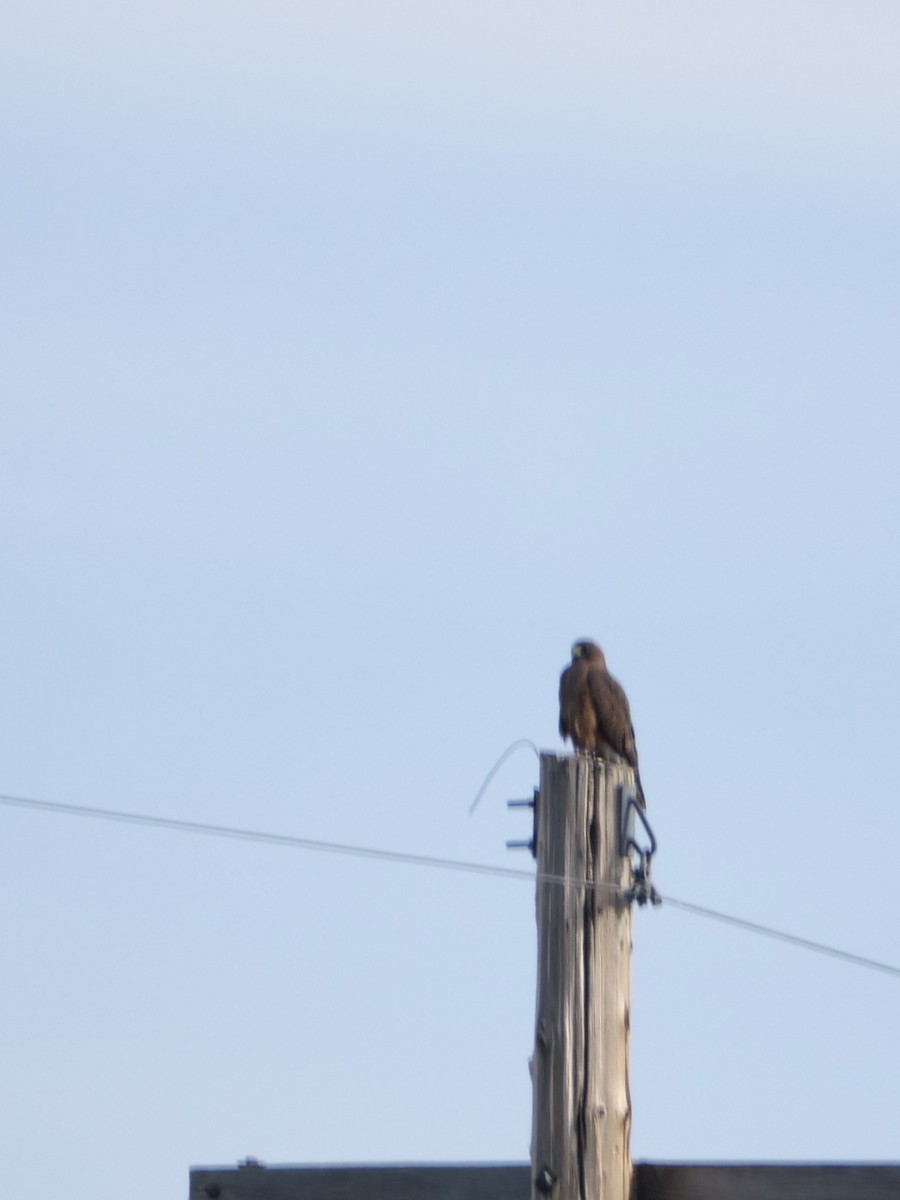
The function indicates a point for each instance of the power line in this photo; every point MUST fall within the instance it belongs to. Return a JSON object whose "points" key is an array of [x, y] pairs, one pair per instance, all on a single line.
{"points": [[423, 860], [779, 935], [291, 841], [516, 745], [256, 835]]}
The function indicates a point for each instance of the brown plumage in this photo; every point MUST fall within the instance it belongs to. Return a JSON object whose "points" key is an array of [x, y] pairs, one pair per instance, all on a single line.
{"points": [[594, 712]]}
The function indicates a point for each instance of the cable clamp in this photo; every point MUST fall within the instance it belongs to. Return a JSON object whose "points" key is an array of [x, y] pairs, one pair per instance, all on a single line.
{"points": [[642, 890]]}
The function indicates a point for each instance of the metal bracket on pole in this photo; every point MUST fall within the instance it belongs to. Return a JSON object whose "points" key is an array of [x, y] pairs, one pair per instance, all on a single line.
{"points": [[531, 844], [629, 809]]}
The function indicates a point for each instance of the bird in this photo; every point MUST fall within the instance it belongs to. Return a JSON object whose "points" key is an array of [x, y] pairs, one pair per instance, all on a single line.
{"points": [[594, 711]]}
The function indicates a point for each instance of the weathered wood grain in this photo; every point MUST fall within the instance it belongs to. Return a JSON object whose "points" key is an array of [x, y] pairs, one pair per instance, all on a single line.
{"points": [[582, 1106]]}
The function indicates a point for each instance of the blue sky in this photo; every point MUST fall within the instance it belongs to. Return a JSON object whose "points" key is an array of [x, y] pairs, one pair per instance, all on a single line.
{"points": [[357, 359]]}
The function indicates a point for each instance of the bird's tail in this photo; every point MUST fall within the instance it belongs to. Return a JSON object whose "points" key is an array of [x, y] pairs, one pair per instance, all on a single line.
{"points": [[640, 790]]}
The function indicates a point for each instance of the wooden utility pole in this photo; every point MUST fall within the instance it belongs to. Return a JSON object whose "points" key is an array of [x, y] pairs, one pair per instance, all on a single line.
{"points": [[582, 1104]]}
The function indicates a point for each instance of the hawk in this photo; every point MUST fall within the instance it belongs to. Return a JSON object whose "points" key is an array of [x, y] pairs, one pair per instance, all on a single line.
{"points": [[594, 712]]}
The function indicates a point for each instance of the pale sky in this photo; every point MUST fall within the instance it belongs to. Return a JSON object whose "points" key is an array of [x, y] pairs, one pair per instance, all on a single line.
{"points": [[357, 359]]}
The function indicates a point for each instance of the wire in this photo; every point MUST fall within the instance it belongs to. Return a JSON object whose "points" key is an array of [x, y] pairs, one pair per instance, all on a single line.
{"points": [[779, 935], [498, 764], [423, 860], [297, 843]]}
